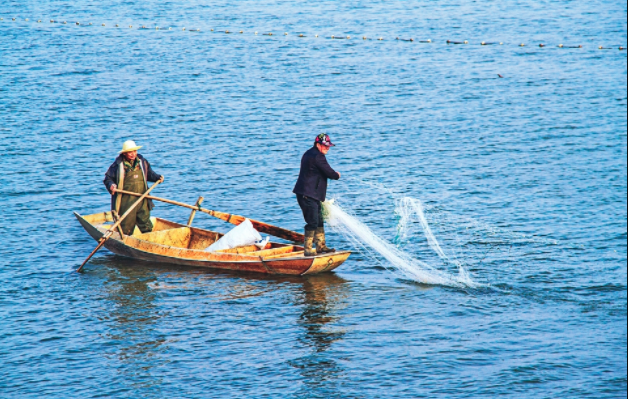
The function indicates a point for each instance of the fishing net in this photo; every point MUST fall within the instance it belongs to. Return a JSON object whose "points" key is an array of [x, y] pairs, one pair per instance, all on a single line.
{"points": [[395, 259]]}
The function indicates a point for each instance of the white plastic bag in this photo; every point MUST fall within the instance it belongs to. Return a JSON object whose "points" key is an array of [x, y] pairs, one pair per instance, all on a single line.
{"points": [[242, 234], [262, 244]]}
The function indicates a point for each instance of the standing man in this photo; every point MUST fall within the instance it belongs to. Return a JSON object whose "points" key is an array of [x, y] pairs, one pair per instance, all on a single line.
{"points": [[311, 189], [131, 172]]}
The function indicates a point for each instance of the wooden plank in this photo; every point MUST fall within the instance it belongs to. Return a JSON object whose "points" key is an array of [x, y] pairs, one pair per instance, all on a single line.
{"points": [[179, 237], [239, 250], [184, 253], [289, 266], [327, 263], [163, 224], [272, 251], [292, 263], [235, 263], [202, 239], [288, 255], [98, 218]]}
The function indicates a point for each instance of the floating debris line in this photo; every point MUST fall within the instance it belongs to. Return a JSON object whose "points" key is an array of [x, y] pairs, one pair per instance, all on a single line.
{"points": [[317, 36]]}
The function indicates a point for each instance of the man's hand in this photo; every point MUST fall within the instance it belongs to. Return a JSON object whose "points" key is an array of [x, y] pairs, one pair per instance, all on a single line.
{"points": [[161, 179], [339, 175], [113, 188]]}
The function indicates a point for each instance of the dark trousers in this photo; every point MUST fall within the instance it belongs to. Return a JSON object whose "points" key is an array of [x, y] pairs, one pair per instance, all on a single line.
{"points": [[312, 212], [139, 216]]}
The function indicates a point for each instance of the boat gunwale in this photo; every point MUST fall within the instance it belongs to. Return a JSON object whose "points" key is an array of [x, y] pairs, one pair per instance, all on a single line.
{"points": [[239, 258], [251, 260]]}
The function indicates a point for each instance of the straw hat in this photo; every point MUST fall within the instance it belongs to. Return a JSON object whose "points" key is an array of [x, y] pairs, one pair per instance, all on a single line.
{"points": [[129, 145]]}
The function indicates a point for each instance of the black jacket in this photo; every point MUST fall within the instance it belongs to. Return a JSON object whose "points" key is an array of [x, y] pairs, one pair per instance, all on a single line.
{"points": [[315, 171], [112, 175]]}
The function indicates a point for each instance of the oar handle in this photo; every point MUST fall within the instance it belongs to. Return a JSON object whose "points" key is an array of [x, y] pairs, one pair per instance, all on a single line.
{"points": [[108, 233], [234, 219], [128, 212]]}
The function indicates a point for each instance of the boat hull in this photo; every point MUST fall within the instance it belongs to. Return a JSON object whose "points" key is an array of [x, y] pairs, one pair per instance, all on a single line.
{"points": [[137, 248]]}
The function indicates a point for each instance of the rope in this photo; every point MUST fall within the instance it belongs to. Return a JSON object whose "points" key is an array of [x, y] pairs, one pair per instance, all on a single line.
{"points": [[332, 37]]}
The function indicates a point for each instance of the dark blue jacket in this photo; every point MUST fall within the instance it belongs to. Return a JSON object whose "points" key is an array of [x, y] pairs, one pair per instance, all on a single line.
{"points": [[315, 171], [113, 177]]}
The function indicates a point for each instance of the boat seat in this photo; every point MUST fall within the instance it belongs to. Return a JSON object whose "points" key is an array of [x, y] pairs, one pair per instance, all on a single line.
{"points": [[179, 237]]}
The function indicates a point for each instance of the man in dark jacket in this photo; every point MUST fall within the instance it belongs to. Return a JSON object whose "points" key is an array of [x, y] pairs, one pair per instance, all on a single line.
{"points": [[311, 189], [131, 172]]}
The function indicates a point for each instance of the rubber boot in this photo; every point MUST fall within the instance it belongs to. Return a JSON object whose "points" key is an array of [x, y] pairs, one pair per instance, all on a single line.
{"points": [[319, 239], [309, 240]]}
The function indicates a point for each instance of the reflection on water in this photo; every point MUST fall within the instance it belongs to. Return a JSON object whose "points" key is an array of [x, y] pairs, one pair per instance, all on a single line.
{"points": [[322, 297], [136, 322], [133, 320], [540, 153]]}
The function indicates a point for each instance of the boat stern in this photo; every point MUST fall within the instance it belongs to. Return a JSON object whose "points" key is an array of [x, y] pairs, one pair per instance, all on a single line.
{"points": [[326, 263], [89, 223]]}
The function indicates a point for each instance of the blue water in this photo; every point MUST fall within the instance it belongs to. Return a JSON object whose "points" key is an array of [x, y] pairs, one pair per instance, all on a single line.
{"points": [[523, 178]]}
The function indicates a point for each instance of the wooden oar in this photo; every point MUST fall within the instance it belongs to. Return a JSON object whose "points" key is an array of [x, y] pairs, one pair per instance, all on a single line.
{"points": [[234, 219], [108, 233]]}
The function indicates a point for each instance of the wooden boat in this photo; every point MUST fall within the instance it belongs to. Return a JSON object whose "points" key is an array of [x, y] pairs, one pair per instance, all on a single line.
{"points": [[180, 244]]}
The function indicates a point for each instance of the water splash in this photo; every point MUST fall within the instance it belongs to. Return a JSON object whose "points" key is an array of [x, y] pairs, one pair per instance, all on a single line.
{"points": [[463, 223], [408, 207], [403, 263]]}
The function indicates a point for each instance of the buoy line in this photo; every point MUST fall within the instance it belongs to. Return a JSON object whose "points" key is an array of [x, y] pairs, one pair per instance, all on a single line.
{"points": [[315, 36]]}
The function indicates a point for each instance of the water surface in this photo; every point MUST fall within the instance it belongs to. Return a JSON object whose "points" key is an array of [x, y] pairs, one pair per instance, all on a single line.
{"points": [[523, 178]]}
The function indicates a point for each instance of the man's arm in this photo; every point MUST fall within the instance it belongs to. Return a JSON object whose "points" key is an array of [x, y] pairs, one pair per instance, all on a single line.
{"points": [[111, 177], [151, 176], [323, 166]]}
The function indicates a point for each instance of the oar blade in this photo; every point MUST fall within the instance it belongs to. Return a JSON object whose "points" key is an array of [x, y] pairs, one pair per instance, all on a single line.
{"points": [[102, 242]]}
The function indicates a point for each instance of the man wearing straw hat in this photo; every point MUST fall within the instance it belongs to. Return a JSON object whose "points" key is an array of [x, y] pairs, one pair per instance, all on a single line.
{"points": [[311, 189], [131, 172]]}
